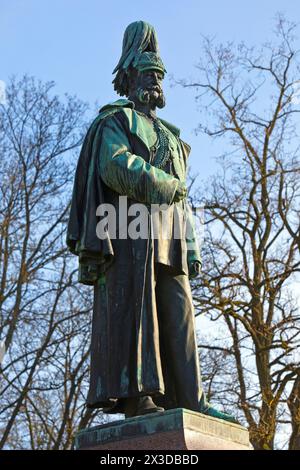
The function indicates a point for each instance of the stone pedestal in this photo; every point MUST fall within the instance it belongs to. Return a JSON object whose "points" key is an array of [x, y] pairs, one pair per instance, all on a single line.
{"points": [[177, 429]]}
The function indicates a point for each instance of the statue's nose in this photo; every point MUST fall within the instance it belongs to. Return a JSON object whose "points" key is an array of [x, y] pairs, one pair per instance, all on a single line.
{"points": [[154, 81]]}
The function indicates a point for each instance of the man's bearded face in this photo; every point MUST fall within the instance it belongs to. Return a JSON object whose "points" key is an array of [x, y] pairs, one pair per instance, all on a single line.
{"points": [[149, 88]]}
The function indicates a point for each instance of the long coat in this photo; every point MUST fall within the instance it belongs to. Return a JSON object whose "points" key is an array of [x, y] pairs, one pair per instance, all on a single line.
{"points": [[125, 352]]}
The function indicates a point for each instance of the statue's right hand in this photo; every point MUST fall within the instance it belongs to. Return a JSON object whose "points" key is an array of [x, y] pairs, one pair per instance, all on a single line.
{"points": [[181, 192]]}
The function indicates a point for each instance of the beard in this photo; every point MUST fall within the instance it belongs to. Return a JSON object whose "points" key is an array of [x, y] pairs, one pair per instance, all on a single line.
{"points": [[154, 96]]}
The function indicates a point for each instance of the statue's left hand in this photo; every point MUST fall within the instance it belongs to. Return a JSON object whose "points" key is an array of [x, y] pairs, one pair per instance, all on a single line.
{"points": [[194, 269]]}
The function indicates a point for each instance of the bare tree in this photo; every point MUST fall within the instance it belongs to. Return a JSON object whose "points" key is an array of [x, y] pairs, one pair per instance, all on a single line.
{"points": [[251, 252], [44, 316]]}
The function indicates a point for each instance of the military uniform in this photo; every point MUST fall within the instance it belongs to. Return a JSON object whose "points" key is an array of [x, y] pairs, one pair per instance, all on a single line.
{"points": [[143, 332], [143, 338]]}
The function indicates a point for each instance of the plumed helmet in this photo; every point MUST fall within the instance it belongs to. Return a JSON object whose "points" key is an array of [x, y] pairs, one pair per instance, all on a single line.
{"points": [[139, 37]]}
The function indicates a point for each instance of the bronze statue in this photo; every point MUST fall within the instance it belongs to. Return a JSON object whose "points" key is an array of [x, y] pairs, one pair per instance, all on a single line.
{"points": [[144, 356]]}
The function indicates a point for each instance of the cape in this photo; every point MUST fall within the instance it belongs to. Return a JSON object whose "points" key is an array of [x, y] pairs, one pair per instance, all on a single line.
{"points": [[95, 255]]}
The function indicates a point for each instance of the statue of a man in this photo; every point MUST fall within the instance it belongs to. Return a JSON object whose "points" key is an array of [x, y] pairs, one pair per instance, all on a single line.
{"points": [[144, 356]]}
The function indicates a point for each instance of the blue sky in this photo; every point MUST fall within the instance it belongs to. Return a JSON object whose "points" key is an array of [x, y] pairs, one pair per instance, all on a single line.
{"points": [[77, 43]]}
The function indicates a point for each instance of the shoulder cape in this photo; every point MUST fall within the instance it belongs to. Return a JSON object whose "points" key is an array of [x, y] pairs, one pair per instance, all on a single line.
{"points": [[95, 255]]}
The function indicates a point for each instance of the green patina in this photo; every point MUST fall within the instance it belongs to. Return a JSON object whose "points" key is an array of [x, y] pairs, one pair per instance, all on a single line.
{"points": [[139, 285]]}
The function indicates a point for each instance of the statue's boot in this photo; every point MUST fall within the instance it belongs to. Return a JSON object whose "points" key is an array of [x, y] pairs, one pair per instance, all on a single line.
{"points": [[137, 406], [208, 410]]}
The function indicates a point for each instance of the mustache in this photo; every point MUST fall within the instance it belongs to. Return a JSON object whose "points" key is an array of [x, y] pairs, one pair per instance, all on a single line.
{"points": [[155, 88]]}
